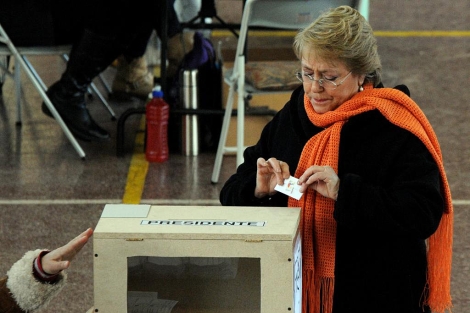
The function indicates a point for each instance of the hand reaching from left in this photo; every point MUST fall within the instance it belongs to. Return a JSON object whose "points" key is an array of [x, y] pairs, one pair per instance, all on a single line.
{"points": [[60, 258]]}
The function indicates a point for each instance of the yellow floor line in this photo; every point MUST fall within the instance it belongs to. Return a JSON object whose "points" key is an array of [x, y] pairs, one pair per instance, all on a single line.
{"points": [[137, 170], [423, 33]]}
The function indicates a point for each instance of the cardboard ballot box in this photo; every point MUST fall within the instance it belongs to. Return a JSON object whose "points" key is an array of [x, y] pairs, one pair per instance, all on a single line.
{"points": [[197, 259]]}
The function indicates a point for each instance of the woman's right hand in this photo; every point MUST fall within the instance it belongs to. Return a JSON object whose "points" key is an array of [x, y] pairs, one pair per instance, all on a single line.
{"points": [[269, 173]]}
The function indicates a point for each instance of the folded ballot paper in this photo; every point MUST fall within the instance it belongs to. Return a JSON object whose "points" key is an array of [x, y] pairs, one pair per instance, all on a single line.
{"points": [[290, 188]]}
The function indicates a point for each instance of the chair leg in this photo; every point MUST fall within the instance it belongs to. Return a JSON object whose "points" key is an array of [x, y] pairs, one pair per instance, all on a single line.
{"points": [[363, 8], [103, 101], [105, 84], [241, 110], [3, 71], [36, 75], [61, 123], [19, 61], [40, 87], [223, 136], [17, 80], [239, 75]]}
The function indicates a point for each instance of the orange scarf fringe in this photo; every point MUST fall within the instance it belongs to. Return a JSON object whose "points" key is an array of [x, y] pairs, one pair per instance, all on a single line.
{"points": [[317, 211]]}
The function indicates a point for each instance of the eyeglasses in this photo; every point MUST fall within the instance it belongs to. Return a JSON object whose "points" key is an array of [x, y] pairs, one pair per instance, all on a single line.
{"points": [[323, 82]]}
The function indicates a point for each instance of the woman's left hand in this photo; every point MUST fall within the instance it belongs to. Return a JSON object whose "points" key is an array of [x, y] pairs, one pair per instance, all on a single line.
{"points": [[323, 179]]}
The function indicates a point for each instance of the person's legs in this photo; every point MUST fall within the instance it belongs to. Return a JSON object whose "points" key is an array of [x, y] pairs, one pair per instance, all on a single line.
{"points": [[104, 38], [173, 24], [108, 30], [133, 77], [179, 42], [88, 58]]}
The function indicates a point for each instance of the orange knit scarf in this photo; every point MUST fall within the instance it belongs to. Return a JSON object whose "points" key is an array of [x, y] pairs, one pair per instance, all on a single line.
{"points": [[318, 251]]}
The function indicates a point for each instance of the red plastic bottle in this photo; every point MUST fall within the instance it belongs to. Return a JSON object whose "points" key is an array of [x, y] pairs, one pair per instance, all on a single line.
{"points": [[157, 113]]}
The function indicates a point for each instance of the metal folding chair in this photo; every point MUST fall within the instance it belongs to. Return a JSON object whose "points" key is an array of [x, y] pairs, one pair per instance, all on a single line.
{"points": [[21, 61], [20, 55]]}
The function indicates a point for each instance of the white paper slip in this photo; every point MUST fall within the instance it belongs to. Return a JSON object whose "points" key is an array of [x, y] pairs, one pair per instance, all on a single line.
{"points": [[290, 188]]}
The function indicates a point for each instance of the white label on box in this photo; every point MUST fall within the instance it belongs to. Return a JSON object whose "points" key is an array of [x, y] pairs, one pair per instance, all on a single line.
{"points": [[126, 210], [200, 223]]}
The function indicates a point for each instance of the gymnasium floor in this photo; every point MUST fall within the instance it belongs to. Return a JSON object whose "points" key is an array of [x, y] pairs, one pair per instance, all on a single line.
{"points": [[48, 194]]}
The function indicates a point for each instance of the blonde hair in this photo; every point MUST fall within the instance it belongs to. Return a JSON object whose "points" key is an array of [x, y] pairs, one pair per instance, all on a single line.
{"points": [[342, 34]]}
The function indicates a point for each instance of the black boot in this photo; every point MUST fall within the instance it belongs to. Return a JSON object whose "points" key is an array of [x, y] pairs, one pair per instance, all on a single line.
{"points": [[69, 101], [88, 58]]}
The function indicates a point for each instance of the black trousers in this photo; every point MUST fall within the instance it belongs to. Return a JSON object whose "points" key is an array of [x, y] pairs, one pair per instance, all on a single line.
{"points": [[54, 22]]}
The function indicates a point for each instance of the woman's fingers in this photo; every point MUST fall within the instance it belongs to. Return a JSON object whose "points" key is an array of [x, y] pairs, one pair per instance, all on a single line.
{"points": [[270, 172], [312, 174], [323, 179], [280, 169]]}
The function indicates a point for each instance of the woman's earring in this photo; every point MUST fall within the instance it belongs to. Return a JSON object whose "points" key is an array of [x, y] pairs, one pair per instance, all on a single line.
{"points": [[361, 88]]}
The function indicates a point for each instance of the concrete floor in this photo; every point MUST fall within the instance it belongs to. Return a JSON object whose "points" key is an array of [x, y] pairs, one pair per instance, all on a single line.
{"points": [[48, 194]]}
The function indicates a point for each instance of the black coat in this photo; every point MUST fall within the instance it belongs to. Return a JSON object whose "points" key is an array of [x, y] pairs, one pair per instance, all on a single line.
{"points": [[389, 202]]}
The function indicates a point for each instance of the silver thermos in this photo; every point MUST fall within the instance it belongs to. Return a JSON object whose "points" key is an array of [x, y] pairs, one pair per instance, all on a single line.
{"points": [[189, 97]]}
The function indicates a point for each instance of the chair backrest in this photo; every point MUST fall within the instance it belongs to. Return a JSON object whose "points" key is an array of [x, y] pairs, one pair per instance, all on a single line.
{"points": [[293, 14], [288, 14], [283, 14]]}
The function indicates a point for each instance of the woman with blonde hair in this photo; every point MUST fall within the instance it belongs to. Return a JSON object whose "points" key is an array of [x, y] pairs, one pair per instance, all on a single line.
{"points": [[376, 206]]}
